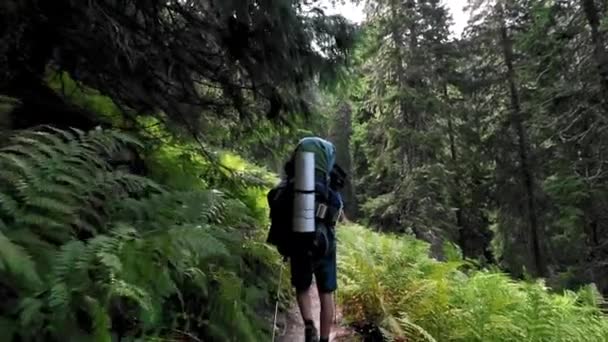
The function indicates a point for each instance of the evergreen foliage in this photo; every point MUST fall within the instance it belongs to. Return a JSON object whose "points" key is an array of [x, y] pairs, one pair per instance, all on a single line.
{"points": [[186, 59], [398, 96], [494, 140]]}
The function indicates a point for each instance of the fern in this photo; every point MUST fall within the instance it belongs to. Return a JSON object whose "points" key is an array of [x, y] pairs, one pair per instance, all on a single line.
{"points": [[84, 246], [14, 260], [56, 179], [101, 321], [30, 312], [390, 281], [414, 329]]}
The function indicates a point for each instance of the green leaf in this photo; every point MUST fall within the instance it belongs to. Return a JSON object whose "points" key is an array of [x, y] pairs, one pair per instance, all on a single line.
{"points": [[30, 311], [16, 261], [101, 320]]}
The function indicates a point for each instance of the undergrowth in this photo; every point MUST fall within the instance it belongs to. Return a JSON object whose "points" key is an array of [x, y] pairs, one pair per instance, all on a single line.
{"points": [[389, 281], [90, 252]]}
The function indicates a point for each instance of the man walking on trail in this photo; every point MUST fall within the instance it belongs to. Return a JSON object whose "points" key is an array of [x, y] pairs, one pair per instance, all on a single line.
{"points": [[320, 260], [324, 268]]}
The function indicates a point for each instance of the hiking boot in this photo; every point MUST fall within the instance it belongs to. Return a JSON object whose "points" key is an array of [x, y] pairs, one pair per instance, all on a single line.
{"points": [[310, 333]]}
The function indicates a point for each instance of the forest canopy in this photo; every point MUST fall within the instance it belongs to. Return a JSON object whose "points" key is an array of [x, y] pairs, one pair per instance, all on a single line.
{"points": [[237, 59]]}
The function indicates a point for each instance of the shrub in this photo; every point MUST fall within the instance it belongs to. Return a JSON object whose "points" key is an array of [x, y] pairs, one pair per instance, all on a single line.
{"points": [[391, 282]]}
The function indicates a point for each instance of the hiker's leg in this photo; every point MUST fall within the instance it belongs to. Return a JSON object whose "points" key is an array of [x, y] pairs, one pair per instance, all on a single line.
{"points": [[327, 283], [301, 280], [305, 303], [302, 283], [327, 313]]}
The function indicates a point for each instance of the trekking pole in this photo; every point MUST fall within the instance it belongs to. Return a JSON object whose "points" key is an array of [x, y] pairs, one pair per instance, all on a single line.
{"points": [[276, 306], [335, 307]]}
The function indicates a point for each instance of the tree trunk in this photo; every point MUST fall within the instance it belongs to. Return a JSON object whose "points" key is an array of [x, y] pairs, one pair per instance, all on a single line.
{"points": [[456, 194], [540, 267], [340, 134], [596, 220], [413, 81], [396, 36], [599, 49]]}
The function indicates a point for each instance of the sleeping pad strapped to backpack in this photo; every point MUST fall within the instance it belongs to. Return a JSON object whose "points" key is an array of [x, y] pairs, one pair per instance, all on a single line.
{"points": [[329, 178]]}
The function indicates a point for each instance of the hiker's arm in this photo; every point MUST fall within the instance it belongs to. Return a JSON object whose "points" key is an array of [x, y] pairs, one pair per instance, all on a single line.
{"points": [[342, 216]]}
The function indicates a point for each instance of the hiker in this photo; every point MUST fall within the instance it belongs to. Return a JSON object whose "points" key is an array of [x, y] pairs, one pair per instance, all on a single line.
{"points": [[311, 249]]}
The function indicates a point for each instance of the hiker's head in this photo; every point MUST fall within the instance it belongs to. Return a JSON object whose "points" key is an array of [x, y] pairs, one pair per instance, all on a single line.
{"points": [[288, 168]]}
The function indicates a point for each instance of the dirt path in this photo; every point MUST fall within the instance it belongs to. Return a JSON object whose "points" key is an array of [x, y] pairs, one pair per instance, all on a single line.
{"points": [[291, 326]]}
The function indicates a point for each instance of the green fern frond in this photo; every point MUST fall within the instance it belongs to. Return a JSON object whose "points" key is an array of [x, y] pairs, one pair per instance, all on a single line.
{"points": [[200, 207], [54, 206], [30, 311], [103, 243], [8, 204], [111, 261], [40, 220], [120, 288], [135, 184], [199, 278], [14, 260], [199, 240], [88, 213], [35, 155], [108, 142], [27, 142], [414, 329], [59, 298], [53, 138], [226, 305], [65, 259], [88, 165], [124, 139], [71, 180], [101, 321], [8, 176]]}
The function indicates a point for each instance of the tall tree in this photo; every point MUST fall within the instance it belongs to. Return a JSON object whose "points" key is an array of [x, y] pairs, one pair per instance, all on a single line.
{"points": [[599, 46], [562, 89], [525, 163], [401, 90], [340, 134]]}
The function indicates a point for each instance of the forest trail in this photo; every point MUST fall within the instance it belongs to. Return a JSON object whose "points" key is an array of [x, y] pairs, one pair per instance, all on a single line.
{"points": [[291, 327]]}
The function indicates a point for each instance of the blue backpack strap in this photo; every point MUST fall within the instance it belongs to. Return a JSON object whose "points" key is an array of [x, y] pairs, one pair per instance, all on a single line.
{"points": [[329, 204], [336, 206]]}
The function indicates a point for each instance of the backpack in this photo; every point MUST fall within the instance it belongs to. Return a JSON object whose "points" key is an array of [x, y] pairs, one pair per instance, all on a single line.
{"points": [[327, 201], [280, 202]]}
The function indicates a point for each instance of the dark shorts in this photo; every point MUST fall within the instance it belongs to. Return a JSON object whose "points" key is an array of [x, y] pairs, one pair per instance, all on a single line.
{"points": [[324, 270]]}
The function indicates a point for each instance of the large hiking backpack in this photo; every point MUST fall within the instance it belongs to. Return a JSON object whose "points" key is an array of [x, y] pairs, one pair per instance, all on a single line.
{"points": [[328, 181]]}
